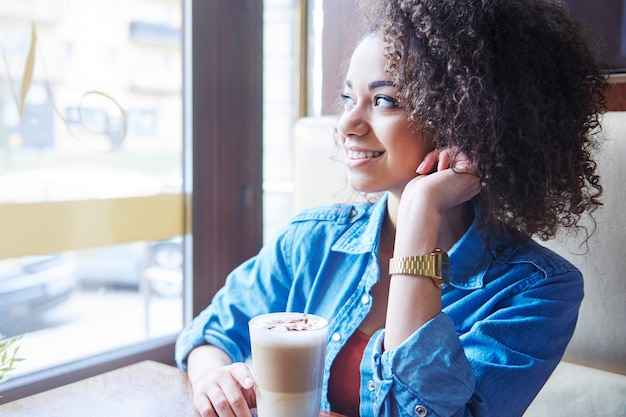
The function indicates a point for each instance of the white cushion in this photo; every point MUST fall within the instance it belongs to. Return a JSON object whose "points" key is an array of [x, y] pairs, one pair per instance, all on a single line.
{"points": [[600, 337], [579, 391]]}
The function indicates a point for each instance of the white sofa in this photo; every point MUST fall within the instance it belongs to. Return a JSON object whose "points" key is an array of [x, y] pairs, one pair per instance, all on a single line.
{"points": [[591, 379]]}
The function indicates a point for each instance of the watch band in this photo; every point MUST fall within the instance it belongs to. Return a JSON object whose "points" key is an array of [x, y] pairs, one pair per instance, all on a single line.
{"points": [[434, 265]]}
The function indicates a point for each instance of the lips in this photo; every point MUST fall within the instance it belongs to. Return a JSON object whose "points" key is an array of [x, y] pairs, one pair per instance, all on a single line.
{"points": [[363, 154]]}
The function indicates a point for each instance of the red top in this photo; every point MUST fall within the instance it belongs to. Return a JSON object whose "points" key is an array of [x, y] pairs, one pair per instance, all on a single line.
{"points": [[344, 382]]}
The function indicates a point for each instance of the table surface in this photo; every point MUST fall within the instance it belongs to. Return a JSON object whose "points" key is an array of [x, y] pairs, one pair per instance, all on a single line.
{"points": [[148, 388]]}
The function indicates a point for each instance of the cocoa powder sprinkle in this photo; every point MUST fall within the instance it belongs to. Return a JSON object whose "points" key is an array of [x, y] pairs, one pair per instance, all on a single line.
{"points": [[295, 325]]}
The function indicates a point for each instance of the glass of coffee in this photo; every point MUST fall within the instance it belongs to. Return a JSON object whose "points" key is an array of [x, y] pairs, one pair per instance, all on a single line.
{"points": [[288, 351]]}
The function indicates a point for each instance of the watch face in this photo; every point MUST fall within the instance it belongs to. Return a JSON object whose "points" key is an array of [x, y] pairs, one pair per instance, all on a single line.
{"points": [[444, 264]]}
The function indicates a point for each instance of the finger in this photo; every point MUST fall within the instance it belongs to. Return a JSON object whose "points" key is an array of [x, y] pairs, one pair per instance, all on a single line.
{"points": [[241, 373], [463, 164], [429, 162], [237, 402], [203, 406], [220, 403], [444, 160]]}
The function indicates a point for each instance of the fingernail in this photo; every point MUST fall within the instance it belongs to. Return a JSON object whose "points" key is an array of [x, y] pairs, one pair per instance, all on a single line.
{"points": [[248, 382], [419, 168]]}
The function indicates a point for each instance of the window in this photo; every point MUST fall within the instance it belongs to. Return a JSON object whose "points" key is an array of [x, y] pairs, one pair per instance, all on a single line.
{"points": [[91, 197], [124, 139], [101, 131]]}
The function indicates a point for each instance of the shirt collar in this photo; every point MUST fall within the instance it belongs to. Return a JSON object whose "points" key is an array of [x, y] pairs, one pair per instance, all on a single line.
{"points": [[469, 260], [473, 255], [364, 234], [470, 257]]}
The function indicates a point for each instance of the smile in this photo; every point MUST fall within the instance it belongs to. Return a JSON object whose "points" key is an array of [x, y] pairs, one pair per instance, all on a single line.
{"points": [[363, 155]]}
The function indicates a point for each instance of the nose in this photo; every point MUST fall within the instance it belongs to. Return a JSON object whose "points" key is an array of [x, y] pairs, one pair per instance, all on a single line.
{"points": [[352, 123]]}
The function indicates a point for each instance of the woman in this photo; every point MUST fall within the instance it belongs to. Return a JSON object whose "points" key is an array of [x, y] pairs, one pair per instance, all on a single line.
{"points": [[475, 123]]}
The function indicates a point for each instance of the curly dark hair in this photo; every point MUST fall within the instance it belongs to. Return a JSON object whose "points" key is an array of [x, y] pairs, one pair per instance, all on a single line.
{"points": [[516, 86]]}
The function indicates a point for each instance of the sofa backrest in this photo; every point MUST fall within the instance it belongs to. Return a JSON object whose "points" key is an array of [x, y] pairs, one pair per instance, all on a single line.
{"points": [[600, 337]]}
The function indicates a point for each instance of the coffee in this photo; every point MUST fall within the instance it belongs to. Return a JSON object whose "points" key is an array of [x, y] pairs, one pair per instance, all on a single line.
{"points": [[288, 352]]}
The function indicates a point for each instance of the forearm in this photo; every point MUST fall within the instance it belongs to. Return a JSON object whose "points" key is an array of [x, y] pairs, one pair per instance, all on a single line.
{"points": [[413, 299], [430, 214]]}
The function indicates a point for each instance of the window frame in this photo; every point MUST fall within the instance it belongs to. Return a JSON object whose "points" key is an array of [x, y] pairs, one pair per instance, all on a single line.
{"points": [[227, 138]]}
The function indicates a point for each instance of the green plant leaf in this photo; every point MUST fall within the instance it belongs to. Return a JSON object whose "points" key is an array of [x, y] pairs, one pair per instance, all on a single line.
{"points": [[9, 349]]}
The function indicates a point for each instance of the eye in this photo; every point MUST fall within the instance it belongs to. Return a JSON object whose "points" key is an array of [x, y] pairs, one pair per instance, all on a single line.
{"points": [[348, 101], [385, 101]]}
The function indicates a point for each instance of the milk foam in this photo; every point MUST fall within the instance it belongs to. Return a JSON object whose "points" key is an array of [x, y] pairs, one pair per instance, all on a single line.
{"points": [[272, 329]]}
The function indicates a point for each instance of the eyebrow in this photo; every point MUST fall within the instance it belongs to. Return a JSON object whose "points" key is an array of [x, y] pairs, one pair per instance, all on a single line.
{"points": [[374, 84], [377, 84]]}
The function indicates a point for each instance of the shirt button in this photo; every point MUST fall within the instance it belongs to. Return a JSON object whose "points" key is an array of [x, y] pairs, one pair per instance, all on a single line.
{"points": [[336, 337], [370, 385], [365, 299], [420, 411]]}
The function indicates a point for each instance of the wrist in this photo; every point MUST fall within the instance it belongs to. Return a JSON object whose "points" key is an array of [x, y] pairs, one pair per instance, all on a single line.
{"points": [[435, 266], [203, 359], [418, 235]]}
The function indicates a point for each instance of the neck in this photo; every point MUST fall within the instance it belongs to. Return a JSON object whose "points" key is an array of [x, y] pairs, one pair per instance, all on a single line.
{"points": [[454, 223]]}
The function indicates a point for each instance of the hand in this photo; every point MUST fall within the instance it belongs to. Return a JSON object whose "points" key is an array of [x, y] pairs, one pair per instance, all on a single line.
{"points": [[442, 186], [228, 391], [225, 391], [438, 192]]}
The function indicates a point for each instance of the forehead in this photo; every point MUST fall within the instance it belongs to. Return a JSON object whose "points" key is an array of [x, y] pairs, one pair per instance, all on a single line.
{"points": [[367, 62]]}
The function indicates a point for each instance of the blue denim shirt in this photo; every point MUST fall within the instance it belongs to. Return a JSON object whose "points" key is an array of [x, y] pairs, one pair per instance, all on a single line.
{"points": [[507, 316]]}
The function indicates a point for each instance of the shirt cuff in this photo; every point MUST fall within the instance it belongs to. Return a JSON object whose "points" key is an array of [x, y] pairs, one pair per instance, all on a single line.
{"points": [[427, 373], [189, 338]]}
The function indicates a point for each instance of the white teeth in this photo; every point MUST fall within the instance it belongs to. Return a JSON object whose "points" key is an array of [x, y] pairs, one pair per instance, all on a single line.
{"points": [[363, 155]]}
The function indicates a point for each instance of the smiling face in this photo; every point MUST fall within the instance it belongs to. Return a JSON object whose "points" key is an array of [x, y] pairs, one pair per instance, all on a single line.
{"points": [[383, 149]]}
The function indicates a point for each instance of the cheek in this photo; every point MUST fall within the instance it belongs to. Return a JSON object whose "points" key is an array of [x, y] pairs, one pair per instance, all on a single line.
{"points": [[409, 149]]}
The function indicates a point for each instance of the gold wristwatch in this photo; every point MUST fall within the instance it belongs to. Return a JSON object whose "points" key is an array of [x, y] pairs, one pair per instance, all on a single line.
{"points": [[435, 265]]}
